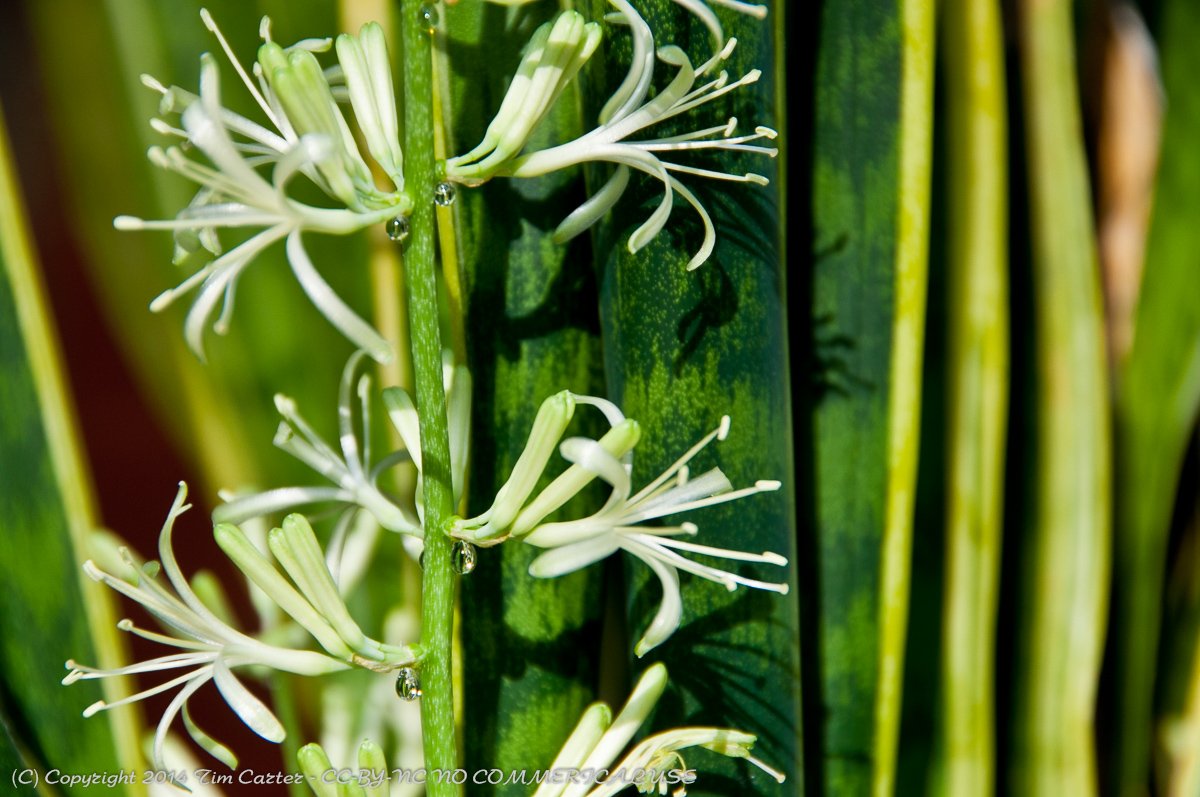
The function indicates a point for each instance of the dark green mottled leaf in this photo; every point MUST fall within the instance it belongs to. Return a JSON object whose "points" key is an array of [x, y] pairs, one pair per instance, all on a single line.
{"points": [[530, 647], [854, 202], [681, 350]]}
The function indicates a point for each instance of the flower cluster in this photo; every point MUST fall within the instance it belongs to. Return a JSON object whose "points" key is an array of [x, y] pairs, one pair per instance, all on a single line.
{"points": [[210, 647], [351, 469], [307, 135], [245, 171], [553, 57], [587, 765], [575, 544]]}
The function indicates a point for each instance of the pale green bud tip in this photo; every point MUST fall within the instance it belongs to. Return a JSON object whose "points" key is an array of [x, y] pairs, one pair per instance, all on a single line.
{"points": [[314, 763], [623, 437], [297, 524], [231, 539], [312, 759], [655, 677], [370, 757]]}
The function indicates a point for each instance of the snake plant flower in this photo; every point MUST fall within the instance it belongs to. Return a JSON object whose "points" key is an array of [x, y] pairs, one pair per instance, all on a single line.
{"points": [[589, 756], [553, 57], [310, 138], [355, 478], [209, 648], [619, 524]]}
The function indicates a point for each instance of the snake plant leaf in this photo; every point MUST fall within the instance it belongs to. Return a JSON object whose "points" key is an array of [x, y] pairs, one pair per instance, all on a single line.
{"points": [[681, 350], [530, 646], [49, 611], [1062, 607], [1158, 397], [872, 136], [977, 347], [12, 758]]}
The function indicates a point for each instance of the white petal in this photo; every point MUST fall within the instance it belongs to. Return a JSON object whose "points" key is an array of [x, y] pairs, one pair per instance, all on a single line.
{"points": [[239, 510], [226, 268], [160, 733], [458, 416], [249, 708], [710, 231], [345, 411], [670, 610], [575, 556], [403, 413], [597, 205], [632, 91], [641, 701], [207, 742], [592, 457], [334, 309]]}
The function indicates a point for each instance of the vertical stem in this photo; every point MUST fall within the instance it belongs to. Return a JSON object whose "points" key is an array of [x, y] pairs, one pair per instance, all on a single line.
{"points": [[977, 394], [437, 585]]}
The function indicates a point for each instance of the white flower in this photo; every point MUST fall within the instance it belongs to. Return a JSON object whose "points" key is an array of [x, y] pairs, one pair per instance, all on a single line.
{"points": [[652, 765], [351, 471], [627, 113], [209, 649], [575, 544], [310, 137]]}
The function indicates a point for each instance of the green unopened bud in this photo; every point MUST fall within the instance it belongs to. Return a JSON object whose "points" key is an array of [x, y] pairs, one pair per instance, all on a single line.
{"points": [[373, 765], [368, 73], [208, 589], [553, 57], [548, 427], [295, 546], [315, 766], [619, 441], [263, 574]]}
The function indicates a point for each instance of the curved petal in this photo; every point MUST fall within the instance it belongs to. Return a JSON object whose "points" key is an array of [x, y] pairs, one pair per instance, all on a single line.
{"points": [[160, 733], [597, 205], [633, 89], [575, 556], [670, 609], [239, 510], [592, 457], [225, 269], [334, 309], [249, 708], [207, 742]]}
